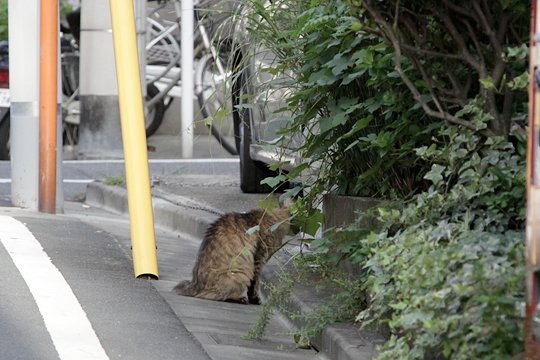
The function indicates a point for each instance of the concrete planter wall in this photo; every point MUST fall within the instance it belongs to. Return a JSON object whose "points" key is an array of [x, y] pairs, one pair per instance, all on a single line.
{"points": [[342, 211]]}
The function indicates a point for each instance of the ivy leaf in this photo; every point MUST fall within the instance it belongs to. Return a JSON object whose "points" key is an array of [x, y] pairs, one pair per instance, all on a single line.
{"points": [[275, 226], [359, 125], [290, 193], [338, 64], [313, 223], [274, 181], [353, 76], [297, 170], [398, 306], [252, 230], [519, 82], [487, 83], [268, 204], [435, 174], [322, 77]]}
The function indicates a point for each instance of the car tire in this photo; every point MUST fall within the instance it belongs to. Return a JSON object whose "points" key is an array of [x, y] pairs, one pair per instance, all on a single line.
{"points": [[154, 116], [4, 138], [251, 172]]}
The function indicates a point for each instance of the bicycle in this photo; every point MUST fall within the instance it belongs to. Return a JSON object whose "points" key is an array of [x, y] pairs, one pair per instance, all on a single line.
{"points": [[70, 55], [212, 76], [230, 79]]}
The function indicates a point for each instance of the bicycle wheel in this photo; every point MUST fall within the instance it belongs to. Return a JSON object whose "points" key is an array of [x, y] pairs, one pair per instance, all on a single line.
{"points": [[212, 89], [153, 117], [162, 50]]}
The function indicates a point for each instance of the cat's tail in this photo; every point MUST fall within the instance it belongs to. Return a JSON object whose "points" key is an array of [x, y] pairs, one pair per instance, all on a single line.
{"points": [[186, 288]]}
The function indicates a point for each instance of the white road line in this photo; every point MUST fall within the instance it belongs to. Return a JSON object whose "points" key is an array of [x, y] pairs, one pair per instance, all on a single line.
{"points": [[66, 321], [159, 161], [66, 181]]}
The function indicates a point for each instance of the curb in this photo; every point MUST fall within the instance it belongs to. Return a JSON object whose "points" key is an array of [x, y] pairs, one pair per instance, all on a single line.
{"points": [[338, 341], [166, 214]]}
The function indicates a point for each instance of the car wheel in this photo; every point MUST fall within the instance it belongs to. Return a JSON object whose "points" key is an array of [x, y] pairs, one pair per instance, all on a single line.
{"points": [[4, 138], [153, 117], [251, 172]]}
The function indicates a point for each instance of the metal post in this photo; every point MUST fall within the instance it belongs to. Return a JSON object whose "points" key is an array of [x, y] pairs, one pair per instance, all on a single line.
{"points": [[24, 77], [59, 140], [48, 79], [187, 23], [99, 132], [532, 320], [134, 139]]}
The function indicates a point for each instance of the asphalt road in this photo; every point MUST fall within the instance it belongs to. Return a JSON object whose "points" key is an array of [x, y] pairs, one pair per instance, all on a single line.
{"points": [[128, 316], [111, 315], [78, 173]]}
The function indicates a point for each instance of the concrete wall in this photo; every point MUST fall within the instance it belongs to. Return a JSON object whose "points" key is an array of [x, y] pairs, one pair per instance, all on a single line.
{"points": [[99, 132], [341, 211]]}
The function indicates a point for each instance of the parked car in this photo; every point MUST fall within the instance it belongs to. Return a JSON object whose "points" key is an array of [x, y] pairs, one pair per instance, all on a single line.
{"points": [[4, 100], [257, 95]]}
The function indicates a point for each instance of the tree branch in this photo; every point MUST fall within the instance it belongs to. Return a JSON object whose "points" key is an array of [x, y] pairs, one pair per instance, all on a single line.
{"points": [[498, 69], [462, 46], [413, 49], [392, 38], [477, 46], [457, 9]]}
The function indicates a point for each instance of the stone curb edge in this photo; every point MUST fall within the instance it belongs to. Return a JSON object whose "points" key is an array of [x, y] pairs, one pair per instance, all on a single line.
{"points": [[338, 341]]}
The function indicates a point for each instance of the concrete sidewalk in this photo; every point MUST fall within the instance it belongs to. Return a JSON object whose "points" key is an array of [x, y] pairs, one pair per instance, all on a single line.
{"points": [[186, 205]]}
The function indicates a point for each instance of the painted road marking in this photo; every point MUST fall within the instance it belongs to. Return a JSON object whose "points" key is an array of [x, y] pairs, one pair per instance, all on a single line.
{"points": [[66, 181], [66, 321], [159, 161]]}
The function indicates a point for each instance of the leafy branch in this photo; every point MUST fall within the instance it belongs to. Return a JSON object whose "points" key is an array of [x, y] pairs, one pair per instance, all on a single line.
{"points": [[453, 47]]}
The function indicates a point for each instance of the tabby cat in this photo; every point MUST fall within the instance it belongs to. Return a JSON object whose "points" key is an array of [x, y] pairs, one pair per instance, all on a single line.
{"points": [[231, 258]]}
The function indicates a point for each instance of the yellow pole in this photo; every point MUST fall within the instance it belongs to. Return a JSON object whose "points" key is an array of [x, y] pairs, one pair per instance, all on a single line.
{"points": [[134, 139]]}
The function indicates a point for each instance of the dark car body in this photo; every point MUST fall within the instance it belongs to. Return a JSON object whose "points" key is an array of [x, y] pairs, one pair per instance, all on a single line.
{"points": [[4, 100], [259, 97]]}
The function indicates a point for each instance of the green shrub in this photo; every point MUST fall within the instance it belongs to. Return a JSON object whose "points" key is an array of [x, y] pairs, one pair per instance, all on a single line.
{"points": [[358, 123], [445, 270], [391, 101], [3, 19], [368, 88]]}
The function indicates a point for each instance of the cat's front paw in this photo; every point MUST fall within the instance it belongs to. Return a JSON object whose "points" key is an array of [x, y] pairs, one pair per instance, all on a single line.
{"points": [[243, 300], [255, 299]]}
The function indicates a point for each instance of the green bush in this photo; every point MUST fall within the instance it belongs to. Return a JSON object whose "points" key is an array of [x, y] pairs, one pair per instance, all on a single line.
{"points": [[358, 123], [368, 87], [445, 272], [64, 9], [392, 101], [3, 19]]}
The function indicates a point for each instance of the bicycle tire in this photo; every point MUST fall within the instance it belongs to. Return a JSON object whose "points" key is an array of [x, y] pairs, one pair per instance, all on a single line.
{"points": [[164, 51], [211, 91], [154, 117]]}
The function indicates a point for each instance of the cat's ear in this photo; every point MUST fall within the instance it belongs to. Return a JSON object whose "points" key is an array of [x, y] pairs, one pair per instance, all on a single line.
{"points": [[287, 203]]}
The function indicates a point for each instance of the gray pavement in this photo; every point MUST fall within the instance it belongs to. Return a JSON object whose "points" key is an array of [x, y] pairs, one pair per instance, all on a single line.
{"points": [[217, 326], [186, 205], [97, 265], [130, 318]]}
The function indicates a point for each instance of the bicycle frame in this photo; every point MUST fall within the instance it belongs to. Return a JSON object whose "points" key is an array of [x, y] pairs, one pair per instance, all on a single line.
{"points": [[167, 78]]}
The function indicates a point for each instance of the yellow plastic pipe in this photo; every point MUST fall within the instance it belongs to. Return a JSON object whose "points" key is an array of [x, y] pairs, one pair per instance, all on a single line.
{"points": [[134, 139], [48, 81]]}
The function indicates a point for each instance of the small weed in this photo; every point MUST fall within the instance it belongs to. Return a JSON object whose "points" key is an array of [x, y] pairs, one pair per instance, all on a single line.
{"points": [[115, 180], [278, 294]]}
